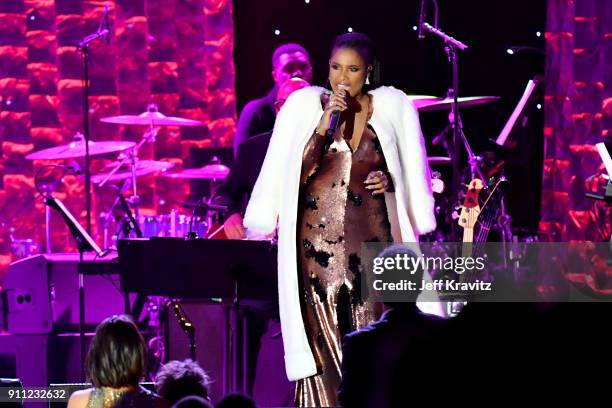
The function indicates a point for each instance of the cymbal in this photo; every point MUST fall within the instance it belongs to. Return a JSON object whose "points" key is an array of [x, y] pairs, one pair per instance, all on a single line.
{"points": [[143, 167], [438, 160], [210, 172], [151, 118], [426, 103], [77, 149]]}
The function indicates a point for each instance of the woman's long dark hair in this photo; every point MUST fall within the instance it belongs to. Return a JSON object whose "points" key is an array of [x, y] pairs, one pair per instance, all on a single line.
{"points": [[364, 46], [117, 354]]}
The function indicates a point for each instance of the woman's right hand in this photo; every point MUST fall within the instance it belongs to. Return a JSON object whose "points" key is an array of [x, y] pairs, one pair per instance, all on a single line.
{"points": [[335, 102]]}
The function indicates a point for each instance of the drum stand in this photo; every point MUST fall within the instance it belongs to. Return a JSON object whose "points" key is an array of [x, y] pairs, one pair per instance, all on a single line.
{"points": [[132, 158], [48, 248], [134, 201]]}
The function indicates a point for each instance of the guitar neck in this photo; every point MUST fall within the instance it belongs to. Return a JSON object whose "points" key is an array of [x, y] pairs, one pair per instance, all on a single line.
{"points": [[468, 240]]}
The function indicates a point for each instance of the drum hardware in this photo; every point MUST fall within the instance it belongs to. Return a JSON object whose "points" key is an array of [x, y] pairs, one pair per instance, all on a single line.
{"points": [[151, 118], [213, 172], [129, 222], [76, 149], [132, 159], [211, 210], [22, 248], [143, 168], [216, 172], [426, 103], [438, 160], [47, 188], [437, 184], [103, 31], [173, 224], [108, 216]]}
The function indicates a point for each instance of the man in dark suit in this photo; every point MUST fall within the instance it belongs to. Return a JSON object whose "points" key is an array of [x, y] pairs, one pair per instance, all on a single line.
{"points": [[258, 116], [384, 363], [236, 189]]}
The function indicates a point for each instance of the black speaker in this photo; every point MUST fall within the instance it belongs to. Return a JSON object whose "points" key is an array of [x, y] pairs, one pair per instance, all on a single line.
{"points": [[42, 359], [41, 295], [11, 383]]}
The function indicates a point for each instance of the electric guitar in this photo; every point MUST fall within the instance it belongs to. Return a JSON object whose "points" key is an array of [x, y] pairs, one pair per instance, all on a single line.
{"points": [[470, 210]]}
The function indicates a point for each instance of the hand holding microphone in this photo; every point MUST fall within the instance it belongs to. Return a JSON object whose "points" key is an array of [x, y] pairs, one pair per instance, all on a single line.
{"points": [[336, 103]]}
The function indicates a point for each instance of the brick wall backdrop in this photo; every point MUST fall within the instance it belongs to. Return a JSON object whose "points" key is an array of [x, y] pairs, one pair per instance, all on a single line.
{"points": [[177, 53], [578, 115]]}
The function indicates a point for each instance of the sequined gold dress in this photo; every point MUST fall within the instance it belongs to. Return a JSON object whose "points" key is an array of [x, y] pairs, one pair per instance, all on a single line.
{"points": [[139, 397], [336, 214]]}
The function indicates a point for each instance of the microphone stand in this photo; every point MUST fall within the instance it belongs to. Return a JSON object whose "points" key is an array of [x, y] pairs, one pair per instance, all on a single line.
{"points": [[451, 45], [84, 48]]}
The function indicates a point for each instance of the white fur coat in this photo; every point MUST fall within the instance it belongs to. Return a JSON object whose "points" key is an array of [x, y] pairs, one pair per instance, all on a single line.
{"points": [[275, 195]]}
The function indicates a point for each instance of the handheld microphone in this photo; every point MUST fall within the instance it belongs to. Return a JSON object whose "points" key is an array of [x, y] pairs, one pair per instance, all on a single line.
{"points": [[334, 119], [421, 35]]}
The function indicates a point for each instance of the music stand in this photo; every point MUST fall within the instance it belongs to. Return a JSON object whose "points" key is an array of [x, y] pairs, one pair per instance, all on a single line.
{"points": [[519, 110], [85, 243], [228, 271]]}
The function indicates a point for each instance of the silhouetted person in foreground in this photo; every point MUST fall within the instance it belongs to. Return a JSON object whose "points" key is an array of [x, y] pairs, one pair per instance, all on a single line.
{"points": [[385, 363]]}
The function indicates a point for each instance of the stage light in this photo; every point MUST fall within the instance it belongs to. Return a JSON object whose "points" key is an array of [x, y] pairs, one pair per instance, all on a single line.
{"points": [[350, 29], [539, 106], [415, 28], [277, 32], [538, 33], [520, 49], [307, 1]]}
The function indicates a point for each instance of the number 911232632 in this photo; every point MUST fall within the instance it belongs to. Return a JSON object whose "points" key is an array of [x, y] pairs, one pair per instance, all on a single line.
{"points": [[15, 394]]}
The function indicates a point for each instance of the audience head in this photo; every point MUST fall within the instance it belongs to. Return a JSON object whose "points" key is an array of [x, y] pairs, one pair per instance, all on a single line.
{"points": [[192, 402], [117, 354], [236, 400], [178, 379], [401, 251]]}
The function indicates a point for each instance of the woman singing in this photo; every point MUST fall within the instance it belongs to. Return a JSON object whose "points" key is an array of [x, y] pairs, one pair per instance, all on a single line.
{"points": [[369, 182]]}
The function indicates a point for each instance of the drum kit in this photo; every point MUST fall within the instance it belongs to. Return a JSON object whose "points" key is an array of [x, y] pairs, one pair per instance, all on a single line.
{"points": [[127, 168]]}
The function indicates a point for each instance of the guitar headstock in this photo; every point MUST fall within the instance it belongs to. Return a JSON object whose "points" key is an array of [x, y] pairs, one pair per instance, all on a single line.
{"points": [[470, 208]]}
